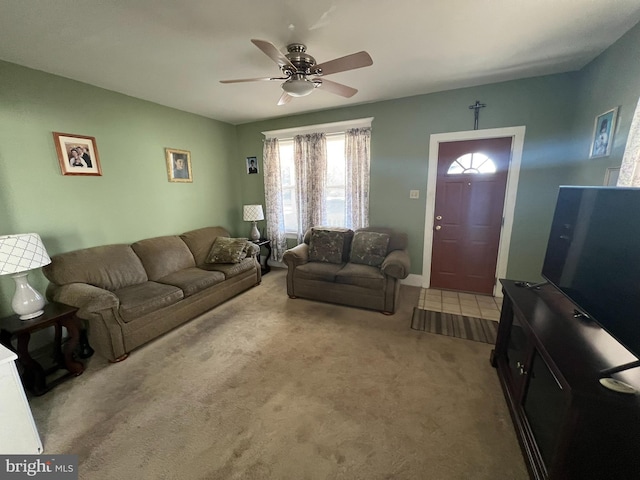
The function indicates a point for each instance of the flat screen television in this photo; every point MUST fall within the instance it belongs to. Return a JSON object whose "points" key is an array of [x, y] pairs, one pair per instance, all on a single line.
{"points": [[593, 257]]}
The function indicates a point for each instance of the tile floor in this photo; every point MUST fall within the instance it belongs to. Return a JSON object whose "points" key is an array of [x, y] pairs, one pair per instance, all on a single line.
{"points": [[468, 304]]}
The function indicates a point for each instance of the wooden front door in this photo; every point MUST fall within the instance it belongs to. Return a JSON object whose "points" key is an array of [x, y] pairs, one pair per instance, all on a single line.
{"points": [[470, 190]]}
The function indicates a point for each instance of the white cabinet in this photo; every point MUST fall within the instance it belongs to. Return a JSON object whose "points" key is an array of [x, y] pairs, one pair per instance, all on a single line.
{"points": [[18, 434]]}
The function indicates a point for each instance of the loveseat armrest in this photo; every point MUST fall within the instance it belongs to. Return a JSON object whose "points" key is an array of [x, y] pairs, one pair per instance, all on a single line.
{"points": [[396, 264], [87, 298], [298, 255]]}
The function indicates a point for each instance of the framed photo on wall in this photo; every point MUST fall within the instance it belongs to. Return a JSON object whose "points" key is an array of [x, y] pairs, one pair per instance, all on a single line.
{"points": [[603, 130], [178, 165], [77, 154], [252, 165]]}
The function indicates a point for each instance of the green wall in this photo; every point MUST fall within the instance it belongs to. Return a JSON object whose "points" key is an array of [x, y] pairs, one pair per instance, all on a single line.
{"points": [[611, 80], [133, 198], [400, 147]]}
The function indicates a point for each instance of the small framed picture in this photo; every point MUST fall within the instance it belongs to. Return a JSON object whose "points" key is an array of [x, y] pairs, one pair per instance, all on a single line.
{"points": [[178, 165], [252, 165], [603, 130], [77, 154]]}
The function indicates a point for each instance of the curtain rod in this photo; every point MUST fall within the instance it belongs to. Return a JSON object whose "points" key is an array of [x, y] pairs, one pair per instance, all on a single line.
{"points": [[319, 128]]}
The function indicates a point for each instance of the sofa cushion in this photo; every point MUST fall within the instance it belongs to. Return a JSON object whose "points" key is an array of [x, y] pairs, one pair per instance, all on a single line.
{"points": [[231, 269], [145, 298], [110, 267], [323, 271], [361, 275], [227, 250], [328, 244], [162, 256], [192, 280], [397, 240], [199, 241], [369, 248]]}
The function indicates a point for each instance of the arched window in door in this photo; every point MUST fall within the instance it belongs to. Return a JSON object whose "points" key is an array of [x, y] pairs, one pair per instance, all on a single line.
{"points": [[472, 163]]}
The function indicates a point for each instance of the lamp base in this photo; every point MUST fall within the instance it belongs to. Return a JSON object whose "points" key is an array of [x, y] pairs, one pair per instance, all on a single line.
{"points": [[255, 233], [31, 315], [27, 303]]}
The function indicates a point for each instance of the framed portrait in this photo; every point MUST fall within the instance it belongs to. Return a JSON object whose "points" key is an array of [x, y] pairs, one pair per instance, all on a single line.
{"points": [[178, 165], [611, 177], [252, 165], [77, 154], [603, 130]]}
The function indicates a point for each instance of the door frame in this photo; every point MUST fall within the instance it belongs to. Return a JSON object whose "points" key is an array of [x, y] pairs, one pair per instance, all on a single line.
{"points": [[517, 144]]}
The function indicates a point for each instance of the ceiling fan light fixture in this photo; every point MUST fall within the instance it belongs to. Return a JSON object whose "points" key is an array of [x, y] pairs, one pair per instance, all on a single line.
{"points": [[298, 87]]}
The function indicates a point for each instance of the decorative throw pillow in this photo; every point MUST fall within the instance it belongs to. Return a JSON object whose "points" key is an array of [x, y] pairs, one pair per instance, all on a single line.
{"points": [[326, 245], [369, 248], [227, 250]]}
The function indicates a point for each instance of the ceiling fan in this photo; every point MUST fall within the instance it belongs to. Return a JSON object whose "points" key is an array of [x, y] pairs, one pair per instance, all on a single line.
{"points": [[301, 73]]}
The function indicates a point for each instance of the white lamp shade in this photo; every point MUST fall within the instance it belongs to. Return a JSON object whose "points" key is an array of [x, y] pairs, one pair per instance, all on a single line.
{"points": [[298, 87], [252, 213], [19, 253]]}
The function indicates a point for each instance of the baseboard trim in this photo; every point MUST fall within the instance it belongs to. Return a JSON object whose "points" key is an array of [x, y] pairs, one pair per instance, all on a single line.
{"points": [[412, 280]]}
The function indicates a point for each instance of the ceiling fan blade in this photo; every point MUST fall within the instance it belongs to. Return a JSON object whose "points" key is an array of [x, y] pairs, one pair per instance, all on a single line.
{"points": [[284, 99], [337, 88], [342, 64], [240, 80], [273, 53]]}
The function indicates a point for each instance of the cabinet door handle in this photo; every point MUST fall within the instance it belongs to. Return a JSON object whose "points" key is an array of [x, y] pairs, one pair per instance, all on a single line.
{"points": [[521, 368]]}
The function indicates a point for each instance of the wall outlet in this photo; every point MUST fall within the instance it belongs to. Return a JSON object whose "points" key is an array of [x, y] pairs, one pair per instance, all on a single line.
{"points": [[414, 194]]}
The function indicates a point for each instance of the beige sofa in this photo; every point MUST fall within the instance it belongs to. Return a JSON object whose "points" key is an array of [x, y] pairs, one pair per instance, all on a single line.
{"points": [[128, 295], [360, 269]]}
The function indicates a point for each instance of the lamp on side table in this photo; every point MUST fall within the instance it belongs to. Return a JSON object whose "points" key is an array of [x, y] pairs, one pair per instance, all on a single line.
{"points": [[19, 254], [253, 213]]}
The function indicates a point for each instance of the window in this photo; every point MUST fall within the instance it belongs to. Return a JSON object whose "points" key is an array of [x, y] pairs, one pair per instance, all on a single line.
{"points": [[337, 158], [472, 163], [335, 193]]}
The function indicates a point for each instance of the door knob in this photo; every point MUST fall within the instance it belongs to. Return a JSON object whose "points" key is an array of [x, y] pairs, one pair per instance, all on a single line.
{"points": [[438, 227]]}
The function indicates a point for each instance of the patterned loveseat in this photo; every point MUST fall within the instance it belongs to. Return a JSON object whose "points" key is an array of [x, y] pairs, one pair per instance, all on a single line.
{"points": [[360, 269]]}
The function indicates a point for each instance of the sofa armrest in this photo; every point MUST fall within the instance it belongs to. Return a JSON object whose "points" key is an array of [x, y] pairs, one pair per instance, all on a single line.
{"points": [[396, 264], [87, 298], [252, 249], [298, 255]]}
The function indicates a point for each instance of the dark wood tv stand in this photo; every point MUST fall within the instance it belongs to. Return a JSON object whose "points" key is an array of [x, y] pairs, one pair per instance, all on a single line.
{"points": [[549, 364]]}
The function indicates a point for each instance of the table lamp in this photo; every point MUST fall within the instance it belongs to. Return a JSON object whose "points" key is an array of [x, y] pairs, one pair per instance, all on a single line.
{"points": [[253, 213], [19, 254]]}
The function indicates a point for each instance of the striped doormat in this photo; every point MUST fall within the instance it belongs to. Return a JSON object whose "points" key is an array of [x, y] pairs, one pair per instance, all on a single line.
{"points": [[476, 329]]}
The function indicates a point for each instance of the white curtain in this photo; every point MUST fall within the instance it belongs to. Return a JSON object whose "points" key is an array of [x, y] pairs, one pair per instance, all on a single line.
{"points": [[630, 168], [310, 159], [273, 198], [357, 147]]}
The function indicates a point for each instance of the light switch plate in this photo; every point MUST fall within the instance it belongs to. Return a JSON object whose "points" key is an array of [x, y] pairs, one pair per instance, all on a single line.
{"points": [[414, 194]]}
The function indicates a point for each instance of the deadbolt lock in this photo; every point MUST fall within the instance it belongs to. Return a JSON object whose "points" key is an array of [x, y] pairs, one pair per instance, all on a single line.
{"points": [[439, 217]]}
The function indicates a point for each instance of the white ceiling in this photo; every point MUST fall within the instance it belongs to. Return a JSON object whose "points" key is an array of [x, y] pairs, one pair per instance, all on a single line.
{"points": [[175, 52]]}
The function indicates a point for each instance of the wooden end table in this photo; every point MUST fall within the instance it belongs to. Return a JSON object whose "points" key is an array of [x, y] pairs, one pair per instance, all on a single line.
{"points": [[34, 375], [263, 242]]}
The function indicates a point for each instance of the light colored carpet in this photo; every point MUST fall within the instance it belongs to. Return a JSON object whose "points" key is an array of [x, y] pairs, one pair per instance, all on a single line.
{"points": [[265, 387]]}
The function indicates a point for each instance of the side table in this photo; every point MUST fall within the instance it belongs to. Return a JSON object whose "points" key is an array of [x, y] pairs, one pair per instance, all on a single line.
{"points": [[263, 242], [34, 375]]}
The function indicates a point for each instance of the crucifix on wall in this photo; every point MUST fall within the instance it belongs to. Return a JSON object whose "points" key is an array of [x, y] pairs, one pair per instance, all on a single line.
{"points": [[476, 112]]}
